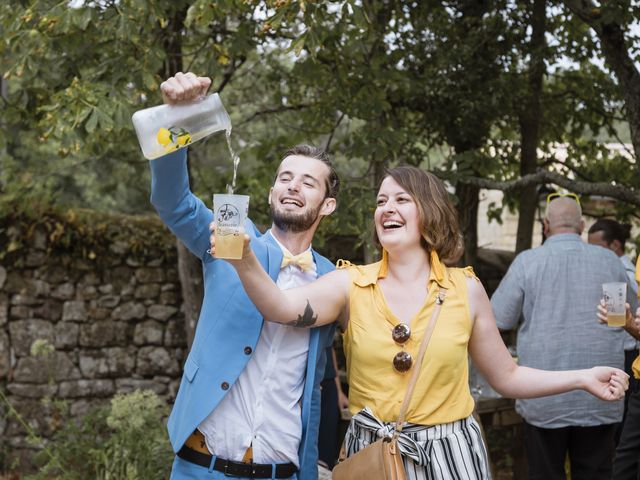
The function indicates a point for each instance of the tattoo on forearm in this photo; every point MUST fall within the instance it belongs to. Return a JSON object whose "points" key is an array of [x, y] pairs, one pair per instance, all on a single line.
{"points": [[307, 319]]}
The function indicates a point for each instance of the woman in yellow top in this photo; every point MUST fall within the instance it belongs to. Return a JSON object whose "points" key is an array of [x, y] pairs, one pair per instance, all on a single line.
{"points": [[383, 309]]}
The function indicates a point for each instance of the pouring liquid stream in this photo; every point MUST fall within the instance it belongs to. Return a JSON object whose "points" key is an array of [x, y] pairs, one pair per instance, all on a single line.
{"points": [[236, 161]]}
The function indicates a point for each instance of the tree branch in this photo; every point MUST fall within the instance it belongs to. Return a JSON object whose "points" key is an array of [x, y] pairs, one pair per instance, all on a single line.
{"points": [[619, 192], [226, 78], [558, 164], [616, 53], [333, 131], [586, 11], [268, 111]]}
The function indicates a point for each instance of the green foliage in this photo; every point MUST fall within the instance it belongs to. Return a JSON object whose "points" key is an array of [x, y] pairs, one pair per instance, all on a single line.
{"points": [[126, 440], [82, 234], [441, 85], [41, 348], [97, 64]]}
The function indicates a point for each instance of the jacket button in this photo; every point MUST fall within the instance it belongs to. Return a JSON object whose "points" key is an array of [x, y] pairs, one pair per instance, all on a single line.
{"points": [[247, 350], [224, 386]]}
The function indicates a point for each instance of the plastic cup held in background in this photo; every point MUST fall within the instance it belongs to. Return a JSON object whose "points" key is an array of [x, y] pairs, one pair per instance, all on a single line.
{"points": [[615, 296]]}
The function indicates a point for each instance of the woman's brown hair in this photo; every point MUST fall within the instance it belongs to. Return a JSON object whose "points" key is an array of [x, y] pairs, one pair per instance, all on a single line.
{"points": [[438, 217]]}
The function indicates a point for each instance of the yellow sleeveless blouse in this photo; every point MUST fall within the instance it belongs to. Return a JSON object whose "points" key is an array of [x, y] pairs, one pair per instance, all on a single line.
{"points": [[442, 391], [635, 367]]}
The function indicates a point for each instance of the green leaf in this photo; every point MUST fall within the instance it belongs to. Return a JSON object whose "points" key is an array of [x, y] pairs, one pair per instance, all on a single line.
{"points": [[149, 81], [92, 123], [82, 115], [360, 18], [106, 122], [298, 44], [82, 17], [276, 19], [122, 116]]}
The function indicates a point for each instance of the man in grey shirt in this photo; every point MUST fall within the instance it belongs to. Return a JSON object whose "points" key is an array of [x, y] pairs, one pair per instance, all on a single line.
{"points": [[550, 293]]}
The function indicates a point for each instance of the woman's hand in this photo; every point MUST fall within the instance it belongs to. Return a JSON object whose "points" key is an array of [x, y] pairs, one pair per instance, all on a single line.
{"points": [[606, 383], [343, 400]]}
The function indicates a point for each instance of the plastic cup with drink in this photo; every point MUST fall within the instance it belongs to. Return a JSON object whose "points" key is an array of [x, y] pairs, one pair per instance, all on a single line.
{"points": [[229, 213], [615, 296]]}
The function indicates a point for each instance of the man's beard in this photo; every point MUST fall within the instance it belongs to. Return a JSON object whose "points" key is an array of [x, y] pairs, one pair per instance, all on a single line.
{"points": [[294, 222]]}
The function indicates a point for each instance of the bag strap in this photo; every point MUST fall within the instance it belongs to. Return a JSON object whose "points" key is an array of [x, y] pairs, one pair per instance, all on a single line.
{"points": [[416, 368]]}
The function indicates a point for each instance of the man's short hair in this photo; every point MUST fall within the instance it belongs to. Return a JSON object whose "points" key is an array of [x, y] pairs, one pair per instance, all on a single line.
{"points": [[332, 182], [611, 230], [564, 212]]}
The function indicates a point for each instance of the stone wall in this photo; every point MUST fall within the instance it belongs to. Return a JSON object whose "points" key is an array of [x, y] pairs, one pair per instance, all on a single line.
{"points": [[80, 321]]}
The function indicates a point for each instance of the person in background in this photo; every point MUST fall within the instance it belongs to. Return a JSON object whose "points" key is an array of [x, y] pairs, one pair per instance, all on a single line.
{"points": [[249, 400], [334, 401], [548, 293], [626, 464], [384, 308], [609, 233]]}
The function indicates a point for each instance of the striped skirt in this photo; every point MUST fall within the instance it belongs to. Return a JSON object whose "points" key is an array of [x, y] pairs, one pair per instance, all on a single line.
{"points": [[449, 451]]}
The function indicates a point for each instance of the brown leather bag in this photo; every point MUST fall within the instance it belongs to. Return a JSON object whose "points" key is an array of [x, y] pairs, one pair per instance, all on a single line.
{"points": [[382, 460]]}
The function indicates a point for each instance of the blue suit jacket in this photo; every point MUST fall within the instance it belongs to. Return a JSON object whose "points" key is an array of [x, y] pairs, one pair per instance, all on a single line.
{"points": [[229, 322]]}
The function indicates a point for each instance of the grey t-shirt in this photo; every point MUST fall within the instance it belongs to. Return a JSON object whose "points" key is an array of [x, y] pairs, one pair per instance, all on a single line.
{"points": [[550, 293]]}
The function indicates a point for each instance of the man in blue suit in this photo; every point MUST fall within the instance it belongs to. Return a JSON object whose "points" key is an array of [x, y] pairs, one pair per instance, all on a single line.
{"points": [[249, 400]]}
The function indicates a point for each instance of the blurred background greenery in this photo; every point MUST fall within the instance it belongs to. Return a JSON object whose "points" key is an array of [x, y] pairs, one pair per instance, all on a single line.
{"points": [[480, 91]]}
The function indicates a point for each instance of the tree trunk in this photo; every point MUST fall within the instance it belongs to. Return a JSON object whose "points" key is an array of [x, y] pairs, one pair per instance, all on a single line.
{"points": [[191, 285], [468, 217], [189, 266], [375, 178], [530, 117], [616, 54], [470, 138]]}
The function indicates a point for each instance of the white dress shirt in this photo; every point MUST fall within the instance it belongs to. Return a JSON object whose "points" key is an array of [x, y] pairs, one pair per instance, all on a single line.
{"points": [[262, 409]]}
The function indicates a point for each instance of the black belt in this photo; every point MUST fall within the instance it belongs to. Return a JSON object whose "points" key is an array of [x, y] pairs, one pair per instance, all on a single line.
{"points": [[237, 469]]}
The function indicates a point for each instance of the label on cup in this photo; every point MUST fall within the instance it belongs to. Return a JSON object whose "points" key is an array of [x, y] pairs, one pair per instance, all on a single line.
{"points": [[615, 296], [227, 219]]}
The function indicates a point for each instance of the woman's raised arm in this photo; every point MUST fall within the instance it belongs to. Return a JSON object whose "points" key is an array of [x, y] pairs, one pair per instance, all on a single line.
{"points": [[494, 362]]}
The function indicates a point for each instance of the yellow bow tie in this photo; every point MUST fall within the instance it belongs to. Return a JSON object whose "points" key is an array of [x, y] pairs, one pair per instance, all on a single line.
{"points": [[304, 261]]}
